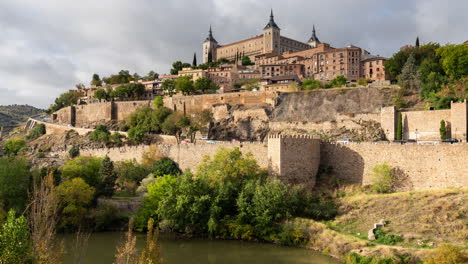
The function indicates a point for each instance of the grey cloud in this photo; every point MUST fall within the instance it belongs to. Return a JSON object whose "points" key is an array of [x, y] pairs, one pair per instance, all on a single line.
{"points": [[49, 46]]}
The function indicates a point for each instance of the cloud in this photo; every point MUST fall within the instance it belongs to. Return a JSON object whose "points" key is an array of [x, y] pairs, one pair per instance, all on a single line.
{"points": [[47, 48]]}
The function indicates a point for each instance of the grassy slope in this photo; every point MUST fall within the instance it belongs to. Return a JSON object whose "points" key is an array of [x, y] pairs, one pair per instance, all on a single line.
{"points": [[15, 114], [422, 218]]}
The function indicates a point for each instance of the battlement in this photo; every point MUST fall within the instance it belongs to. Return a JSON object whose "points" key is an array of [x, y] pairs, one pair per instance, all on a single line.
{"points": [[294, 136]]}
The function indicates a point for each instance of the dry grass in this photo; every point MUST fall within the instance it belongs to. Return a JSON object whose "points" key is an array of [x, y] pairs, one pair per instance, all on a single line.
{"points": [[422, 218]]}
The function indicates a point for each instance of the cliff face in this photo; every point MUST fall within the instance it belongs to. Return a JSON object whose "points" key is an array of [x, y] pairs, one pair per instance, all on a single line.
{"points": [[335, 113], [325, 105]]}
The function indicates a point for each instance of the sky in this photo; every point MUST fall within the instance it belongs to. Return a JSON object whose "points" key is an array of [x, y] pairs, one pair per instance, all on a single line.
{"points": [[48, 46]]}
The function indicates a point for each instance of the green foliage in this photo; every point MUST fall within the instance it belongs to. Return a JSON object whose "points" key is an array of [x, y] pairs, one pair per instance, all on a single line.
{"points": [[409, 77], [36, 132], [168, 87], [96, 80], [74, 196], [246, 61], [122, 77], [66, 99], [447, 254], [116, 138], [294, 234], [184, 84], [388, 239], [137, 134], [337, 82], [175, 124], [382, 180], [251, 84], [178, 66], [101, 94], [108, 178], [131, 90], [74, 152], [399, 135], [166, 166], [15, 242], [158, 102], [204, 84], [107, 218], [100, 134], [15, 146], [15, 179], [310, 84], [84, 167], [354, 258], [443, 130], [229, 196], [129, 175], [454, 59]]}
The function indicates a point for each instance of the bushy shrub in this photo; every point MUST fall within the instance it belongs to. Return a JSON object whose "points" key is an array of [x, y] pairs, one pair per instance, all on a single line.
{"points": [[116, 139], [15, 180], [100, 134], [15, 146], [355, 258], [382, 180], [74, 152], [166, 166], [385, 238], [129, 175], [37, 131], [83, 167], [136, 134], [363, 81]]}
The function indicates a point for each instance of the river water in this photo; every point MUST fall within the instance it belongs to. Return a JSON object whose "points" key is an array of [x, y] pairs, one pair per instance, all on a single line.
{"points": [[101, 250]]}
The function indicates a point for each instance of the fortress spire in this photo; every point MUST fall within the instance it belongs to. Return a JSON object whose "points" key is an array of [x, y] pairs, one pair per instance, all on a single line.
{"points": [[210, 36], [271, 23], [314, 36]]}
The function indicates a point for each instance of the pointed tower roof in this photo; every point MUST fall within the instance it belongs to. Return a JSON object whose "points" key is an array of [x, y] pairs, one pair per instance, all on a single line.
{"points": [[210, 36], [314, 36], [271, 23]]}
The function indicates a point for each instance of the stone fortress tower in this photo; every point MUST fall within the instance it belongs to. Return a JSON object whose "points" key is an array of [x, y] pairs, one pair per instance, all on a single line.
{"points": [[209, 47], [313, 41], [271, 36], [294, 159]]}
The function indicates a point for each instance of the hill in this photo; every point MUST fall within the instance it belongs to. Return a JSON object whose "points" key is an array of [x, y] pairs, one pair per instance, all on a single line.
{"points": [[15, 114]]}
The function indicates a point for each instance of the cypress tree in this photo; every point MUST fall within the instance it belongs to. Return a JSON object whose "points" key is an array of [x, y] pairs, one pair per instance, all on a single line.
{"points": [[409, 77], [399, 135], [210, 56], [108, 178], [417, 41], [194, 63], [443, 130]]}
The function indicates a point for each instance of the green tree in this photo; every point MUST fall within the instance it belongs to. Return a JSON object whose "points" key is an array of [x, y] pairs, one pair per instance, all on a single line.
{"points": [[108, 177], [338, 81], [399, 135], [175, 125], [443, 130], [137, 134], [74, 196], [409, 77], [251, 84], [84, 167], [454, 60], [122, 77], [194, 62], [15, 180], [382, 180], [151, 76], [74, 152], [184, 84], [363, 81], [66, 99], [15, 242], [168, 87], [96, 80], [417, 42], [158, 102], [101, 94], [178, 66], [14, 146], [204, 84], [309, 84], [166, 166], [246, 61]]}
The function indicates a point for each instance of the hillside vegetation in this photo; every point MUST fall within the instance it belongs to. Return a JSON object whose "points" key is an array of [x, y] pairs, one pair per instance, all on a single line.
{"points": [[15, 114]]}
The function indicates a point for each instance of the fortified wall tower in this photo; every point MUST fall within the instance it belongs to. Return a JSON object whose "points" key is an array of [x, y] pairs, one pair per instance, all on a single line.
{"points": [[294, 159]]}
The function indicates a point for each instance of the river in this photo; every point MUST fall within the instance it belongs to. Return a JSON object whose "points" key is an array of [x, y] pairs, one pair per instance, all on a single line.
{"points": [[101, 250]]}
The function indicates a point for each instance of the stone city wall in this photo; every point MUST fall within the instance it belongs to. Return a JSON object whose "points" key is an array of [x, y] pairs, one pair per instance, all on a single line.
{"points": [[188, 156], [92, 114], [424, 125], [417, 166]]}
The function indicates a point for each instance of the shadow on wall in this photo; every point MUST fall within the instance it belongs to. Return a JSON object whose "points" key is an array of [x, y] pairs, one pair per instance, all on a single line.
{"points": [[346, 163], [402, 181]]}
